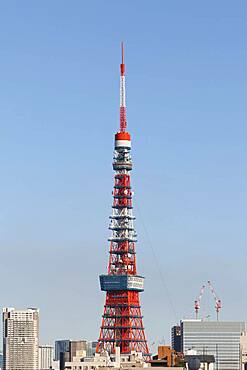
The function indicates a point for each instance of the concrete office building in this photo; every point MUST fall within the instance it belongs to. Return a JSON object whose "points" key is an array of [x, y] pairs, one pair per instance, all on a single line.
{"points": [[46, 353], [218, 338], [20, 339]]}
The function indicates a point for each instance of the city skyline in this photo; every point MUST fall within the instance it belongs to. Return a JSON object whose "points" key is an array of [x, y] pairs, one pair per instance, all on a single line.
{"points": [[59, 112]]}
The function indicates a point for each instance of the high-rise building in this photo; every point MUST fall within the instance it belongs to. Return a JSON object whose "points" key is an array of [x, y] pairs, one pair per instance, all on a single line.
{"points": [[61, 346], [20, 339], [46, 353], [77, 348], [176, 338], [122, 324], [218, 338]]}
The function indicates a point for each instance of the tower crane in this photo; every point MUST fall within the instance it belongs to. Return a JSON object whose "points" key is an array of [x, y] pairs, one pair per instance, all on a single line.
{"points": [[218, 304], [198, 301]]}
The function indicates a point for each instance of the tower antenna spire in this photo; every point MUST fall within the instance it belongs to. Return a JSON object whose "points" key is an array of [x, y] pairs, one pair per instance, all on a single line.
{"points": [[122, 48], [123, 120]]}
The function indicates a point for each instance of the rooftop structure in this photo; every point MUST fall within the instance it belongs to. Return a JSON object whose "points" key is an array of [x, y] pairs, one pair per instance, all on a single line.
{"points": [[106, 361]]}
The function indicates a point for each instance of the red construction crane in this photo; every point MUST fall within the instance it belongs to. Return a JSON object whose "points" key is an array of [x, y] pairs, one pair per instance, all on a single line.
{"points": [[198, 301], [218, 304]]}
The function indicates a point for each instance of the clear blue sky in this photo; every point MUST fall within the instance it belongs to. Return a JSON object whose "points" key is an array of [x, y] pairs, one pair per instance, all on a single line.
{"points": [[186, 95]]}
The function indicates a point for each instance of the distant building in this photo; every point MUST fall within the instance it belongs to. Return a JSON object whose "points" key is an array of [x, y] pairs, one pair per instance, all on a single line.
{"points": [[77, 348], [70, 349], [20, 339], [218, 338], [46, 353], [61, 346], [1, 361], [243, 350], [176, 339], [91, 348]]}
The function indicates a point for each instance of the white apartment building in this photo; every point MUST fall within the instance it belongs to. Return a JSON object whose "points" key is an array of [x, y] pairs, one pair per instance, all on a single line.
{"points": [[46, 355], [20, 339]]}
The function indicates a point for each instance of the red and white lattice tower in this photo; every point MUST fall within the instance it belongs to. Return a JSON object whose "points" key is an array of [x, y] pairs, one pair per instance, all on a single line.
{"points": [[122, 324]]}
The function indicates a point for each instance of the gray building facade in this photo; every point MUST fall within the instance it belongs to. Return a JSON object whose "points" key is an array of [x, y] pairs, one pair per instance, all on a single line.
{"points": [[218, 338]]}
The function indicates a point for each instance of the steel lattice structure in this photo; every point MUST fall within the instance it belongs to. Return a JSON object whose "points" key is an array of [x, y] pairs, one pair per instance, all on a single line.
{"points": [[122, 323]]}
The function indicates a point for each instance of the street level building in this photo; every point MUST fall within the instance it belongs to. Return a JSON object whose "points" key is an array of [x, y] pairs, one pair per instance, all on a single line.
{"points": [[46, 353], [20, 339], [218, 338]]}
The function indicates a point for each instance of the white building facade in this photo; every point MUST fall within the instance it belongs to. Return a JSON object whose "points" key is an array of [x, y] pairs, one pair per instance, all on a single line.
{"points": [[20, 339], [218, 338], [46, 355]]}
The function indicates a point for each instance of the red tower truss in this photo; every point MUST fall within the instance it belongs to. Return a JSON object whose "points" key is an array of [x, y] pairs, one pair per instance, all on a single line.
{"points": [[122, 324]]}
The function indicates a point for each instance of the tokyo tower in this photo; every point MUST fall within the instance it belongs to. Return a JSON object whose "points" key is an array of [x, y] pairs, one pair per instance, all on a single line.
{"points": [[122, 324]]}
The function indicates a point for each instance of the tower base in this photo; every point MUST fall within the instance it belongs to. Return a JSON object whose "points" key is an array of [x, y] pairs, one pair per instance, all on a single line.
{"points": [[122, 324]]}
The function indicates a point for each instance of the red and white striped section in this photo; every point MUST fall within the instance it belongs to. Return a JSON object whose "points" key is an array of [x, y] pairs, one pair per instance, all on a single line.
{"points": [[122, 140], [123, 121]]}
